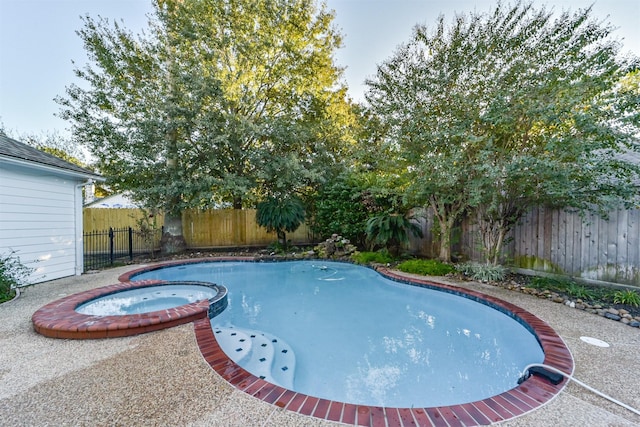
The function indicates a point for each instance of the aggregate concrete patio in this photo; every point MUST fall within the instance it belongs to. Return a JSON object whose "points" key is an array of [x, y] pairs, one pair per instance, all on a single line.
{"points": [[161, 378]]}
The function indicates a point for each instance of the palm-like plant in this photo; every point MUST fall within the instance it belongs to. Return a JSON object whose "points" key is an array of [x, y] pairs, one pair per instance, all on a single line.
{"points": [[391, 230], [281, 215]]}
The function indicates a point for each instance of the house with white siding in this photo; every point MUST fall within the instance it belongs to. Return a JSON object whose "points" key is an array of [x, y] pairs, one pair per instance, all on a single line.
{"points": [[41, 210]]}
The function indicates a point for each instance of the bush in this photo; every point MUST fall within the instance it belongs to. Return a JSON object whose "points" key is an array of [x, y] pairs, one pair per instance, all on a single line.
{"points": [[482, 272], [12, 274], [391, 230], [557, 284], [338, 208], [628, 297], [570, 288], [380, 257], [280, 249], [466, 269], [6, 290], [577, 291], [426, 267]]}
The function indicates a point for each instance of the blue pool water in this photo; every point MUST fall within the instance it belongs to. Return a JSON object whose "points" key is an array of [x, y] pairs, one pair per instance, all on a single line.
{"points": [[346, 333]]}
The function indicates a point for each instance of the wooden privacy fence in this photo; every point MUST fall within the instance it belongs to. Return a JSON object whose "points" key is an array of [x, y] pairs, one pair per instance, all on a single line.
{"points": [[546, 240], [202, 229], [589, 248], [557, 241], [232, 228], [100, 219]]}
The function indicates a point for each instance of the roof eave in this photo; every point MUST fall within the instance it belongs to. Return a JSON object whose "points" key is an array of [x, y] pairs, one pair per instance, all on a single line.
{"points": [[52, 169]]}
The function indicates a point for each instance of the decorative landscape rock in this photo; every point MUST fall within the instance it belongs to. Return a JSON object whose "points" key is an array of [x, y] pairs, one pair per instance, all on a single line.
{"points": [[618, 314], [611, 316], [335, 247]]}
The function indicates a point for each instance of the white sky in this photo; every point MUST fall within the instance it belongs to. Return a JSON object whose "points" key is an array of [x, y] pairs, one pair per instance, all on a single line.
{"points": [[38, 43]]}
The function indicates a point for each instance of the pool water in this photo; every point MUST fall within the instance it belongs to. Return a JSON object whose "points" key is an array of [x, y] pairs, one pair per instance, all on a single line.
{"points": [[147, 299], [353, 336]]}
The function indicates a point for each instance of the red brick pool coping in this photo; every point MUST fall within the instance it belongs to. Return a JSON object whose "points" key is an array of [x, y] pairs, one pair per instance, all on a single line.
{"points": [[524, 398], [60, 320]]}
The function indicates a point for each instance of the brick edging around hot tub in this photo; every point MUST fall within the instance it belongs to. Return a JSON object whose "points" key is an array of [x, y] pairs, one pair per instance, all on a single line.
{"points": [[59, 319]]}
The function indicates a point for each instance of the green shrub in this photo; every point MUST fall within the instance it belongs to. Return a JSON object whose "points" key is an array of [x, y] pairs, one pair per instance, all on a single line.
{"points": [[279, 249], [572, 289], [391, 230], [425, 267], [12, 274], [379, 257], [6, 290], [628, 297], [578, 291], [551, 284], [482, 272], [338, 208], [466, 268]]}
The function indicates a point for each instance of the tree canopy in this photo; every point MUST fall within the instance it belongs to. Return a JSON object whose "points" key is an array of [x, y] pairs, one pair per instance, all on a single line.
{"points": [[217, 101], [500, 111]]}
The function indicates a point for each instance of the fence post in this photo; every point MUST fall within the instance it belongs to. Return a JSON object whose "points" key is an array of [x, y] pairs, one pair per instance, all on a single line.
{"points": [[130, 244], [111, 246]]}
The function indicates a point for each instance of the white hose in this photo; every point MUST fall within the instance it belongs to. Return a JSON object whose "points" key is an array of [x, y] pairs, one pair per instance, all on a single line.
{"points": [[551, 368]]}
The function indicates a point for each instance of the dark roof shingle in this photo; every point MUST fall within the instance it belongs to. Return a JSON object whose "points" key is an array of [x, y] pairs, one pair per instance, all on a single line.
{"points": [[17, 150]]}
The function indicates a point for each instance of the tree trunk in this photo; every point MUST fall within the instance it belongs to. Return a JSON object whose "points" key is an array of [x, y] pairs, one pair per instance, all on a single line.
{"points": [[282, 239], [445, 240], [445, 220], [492, 233], [488, 228], [172, 241], [498, 248], [237, 202], [494, 227]]}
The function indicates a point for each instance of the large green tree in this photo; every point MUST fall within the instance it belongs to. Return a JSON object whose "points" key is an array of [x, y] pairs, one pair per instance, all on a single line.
{"points": [[217, 101], [56, 144], [501, 111]]}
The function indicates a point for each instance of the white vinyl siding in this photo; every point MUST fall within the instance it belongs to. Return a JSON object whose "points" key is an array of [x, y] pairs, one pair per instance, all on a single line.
{"points": [[38, 220]]}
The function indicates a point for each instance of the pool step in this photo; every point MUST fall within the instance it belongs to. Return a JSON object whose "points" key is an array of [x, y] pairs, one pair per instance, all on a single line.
{"points": [[264, 355]]}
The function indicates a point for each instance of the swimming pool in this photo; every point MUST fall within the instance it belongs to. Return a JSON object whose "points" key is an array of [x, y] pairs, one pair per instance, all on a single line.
{"points": [[352, 335]]}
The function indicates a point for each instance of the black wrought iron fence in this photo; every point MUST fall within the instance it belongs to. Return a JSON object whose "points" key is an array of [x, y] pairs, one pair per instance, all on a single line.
{"points": [[108, 247]]}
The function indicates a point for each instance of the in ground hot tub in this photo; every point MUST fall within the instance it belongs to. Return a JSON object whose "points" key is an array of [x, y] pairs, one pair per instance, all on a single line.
{"points": [[153, 298], [129, 308]]}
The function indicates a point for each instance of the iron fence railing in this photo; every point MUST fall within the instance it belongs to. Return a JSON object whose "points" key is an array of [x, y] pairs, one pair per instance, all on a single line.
{"points": [[106, 248]]}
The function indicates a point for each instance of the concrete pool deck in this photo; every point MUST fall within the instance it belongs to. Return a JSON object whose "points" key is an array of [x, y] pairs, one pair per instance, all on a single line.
{"points": [[161, 378]]}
